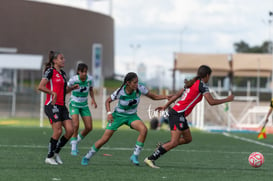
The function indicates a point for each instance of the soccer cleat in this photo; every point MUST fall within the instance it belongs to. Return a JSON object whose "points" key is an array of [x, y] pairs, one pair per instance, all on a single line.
{"points": [[74, 152], [150, 163], [58, 158], [85, 161], [51, 161], [134, 160]]}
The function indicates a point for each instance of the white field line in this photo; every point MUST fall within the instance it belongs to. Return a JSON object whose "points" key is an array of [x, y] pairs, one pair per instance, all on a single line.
{"points": [[131, 149], [248, 140]]}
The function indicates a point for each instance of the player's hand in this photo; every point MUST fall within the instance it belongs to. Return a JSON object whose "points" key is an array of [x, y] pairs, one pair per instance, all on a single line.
{"points": [[76, 86], [110, 118], [94, 103], [169, 97], [161, 108], [54, 98], [231, 97]]}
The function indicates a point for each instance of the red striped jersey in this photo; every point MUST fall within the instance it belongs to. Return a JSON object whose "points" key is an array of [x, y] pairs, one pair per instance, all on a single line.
{"points": [[56, 83], [190, 97]]}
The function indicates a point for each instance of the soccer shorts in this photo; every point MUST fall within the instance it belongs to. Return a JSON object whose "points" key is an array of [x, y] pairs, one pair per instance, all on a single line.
{"points": [[56, 113], [83, 111], [177, 121], [121, 119]]}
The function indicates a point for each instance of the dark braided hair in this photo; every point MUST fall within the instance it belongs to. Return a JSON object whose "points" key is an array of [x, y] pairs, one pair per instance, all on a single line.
{"points": [[129, 77], [202, 72], [51, 56], [81, 67]]}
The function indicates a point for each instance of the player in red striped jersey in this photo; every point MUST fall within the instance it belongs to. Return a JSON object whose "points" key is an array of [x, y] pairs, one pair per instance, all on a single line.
{"points": [[190, 95], [54, 84]]}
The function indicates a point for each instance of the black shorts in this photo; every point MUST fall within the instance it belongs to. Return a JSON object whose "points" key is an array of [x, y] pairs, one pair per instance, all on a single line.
{"points": [[56, 113], [177, 121]]}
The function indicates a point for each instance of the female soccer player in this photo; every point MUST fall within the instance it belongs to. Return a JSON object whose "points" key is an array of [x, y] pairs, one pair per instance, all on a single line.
{"points": [[54, 85], [193, 93], [79, 105], [125, 113]]}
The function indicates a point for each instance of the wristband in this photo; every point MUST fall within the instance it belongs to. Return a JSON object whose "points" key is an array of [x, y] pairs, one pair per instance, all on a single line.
{"points": [[108, 113]]}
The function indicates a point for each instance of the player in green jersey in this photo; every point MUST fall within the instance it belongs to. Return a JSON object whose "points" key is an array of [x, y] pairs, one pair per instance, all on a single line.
{"points": [[79, 105], [128, 96]]}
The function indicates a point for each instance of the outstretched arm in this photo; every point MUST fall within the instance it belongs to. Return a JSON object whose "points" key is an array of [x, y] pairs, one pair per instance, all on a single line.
{"points": [[171, 100], [213, 101], [155, 96]]}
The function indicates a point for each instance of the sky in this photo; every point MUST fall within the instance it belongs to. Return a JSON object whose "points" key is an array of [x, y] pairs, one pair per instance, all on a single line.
{"points": [[150, 31]]}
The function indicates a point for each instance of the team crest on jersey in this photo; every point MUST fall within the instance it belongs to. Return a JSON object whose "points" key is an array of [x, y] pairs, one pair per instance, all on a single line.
{"points": [[180, 125], [55, 116]]}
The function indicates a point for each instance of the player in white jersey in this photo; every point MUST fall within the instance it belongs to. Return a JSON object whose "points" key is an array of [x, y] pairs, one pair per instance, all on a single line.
{"points": [[79, 105], [128, 96]]}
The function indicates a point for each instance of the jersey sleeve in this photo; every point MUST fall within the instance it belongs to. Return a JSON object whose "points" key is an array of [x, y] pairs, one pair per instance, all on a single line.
{"points": [[48, 74], [203, 88], [142, 89], [115, 95], [71, 81], [90, 79]]}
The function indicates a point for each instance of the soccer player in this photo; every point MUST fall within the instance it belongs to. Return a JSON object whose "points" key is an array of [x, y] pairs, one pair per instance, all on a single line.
{"points": [[128, 96], [79, 105], [190, 95], [54, 84]]}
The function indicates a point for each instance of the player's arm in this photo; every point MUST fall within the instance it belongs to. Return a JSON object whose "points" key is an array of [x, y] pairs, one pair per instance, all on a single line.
{"points": [[93, 101], [155, 96], [171, 100], [108, 109], [42, 87], [73, 87], [213, 101]]}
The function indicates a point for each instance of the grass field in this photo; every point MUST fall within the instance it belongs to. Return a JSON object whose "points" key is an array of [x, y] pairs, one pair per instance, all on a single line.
{"points": [[211, 156]]}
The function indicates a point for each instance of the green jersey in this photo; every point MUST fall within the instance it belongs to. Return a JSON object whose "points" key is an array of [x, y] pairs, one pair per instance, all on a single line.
{"points": [[128, 103], [79, 97]]}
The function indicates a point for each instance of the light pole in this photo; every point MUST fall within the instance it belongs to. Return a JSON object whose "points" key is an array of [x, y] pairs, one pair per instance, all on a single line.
{"points": [[271, 46], [134, 48], [181, 38]]}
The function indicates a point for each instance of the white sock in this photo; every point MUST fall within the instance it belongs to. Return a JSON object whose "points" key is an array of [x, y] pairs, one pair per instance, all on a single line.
{"points": [[90, 153], [137, 150], [73, 145], [79, 138]]}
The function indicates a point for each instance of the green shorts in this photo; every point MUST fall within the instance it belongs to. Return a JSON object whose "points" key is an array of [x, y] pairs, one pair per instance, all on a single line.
{"points": [[83, 111], [120, 119]]}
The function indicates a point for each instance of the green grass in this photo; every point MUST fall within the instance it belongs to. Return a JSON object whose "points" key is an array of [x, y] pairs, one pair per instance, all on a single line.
{"points": [[211, 156]]}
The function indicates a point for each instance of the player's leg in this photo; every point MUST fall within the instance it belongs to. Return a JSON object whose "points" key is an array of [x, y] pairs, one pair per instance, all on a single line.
{"points": [[142, 129], [87, 121], [98, 144], [68, 126], [73, 140], [57, 131], [186, 137]]}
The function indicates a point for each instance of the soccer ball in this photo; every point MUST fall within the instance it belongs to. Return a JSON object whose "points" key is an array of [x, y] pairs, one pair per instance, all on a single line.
{"points": [[256, 159]]}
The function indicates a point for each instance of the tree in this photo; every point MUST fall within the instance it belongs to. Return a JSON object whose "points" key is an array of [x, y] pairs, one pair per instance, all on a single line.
{"points": [[243, 47]]}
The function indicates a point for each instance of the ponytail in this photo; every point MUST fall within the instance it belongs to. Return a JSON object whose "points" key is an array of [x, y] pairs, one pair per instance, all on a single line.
{"points": [[202, 72], [51, 56]]}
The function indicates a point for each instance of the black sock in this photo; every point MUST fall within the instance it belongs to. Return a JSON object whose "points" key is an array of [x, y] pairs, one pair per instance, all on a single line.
{"points": [[60, 144], [51, 147], [160, 151]]}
